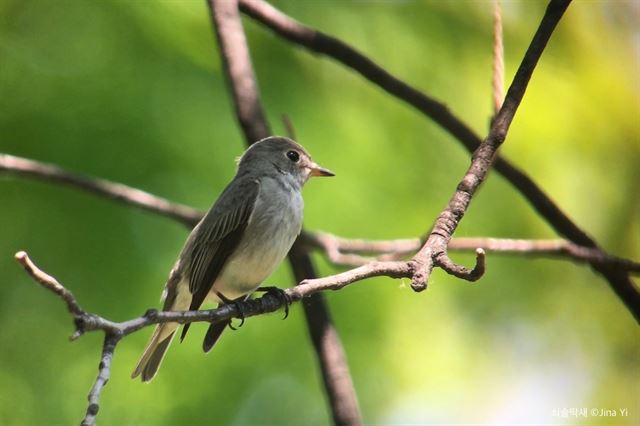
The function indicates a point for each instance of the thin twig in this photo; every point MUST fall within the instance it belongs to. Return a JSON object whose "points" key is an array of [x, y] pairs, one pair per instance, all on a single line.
{"points": [[553, 248], [357, 252], [50, 283], [104, 372]]}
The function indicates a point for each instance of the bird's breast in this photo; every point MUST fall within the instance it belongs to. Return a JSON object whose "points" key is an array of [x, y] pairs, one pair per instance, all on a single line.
{"points": [[274, 224]]}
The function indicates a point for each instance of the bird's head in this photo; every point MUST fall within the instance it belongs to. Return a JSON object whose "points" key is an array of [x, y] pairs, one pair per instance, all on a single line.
{"points": [[280, 155]]}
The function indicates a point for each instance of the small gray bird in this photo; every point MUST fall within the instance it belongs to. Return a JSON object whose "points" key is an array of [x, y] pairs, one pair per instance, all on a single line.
{"points": [[239, 242]]}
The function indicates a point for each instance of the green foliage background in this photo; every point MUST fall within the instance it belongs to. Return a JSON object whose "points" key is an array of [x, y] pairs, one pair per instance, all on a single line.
{"points": [[133, 91]]}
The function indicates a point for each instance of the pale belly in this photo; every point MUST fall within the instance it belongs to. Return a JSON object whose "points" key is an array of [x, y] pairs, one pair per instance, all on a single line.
{"points": [[270, 234]]}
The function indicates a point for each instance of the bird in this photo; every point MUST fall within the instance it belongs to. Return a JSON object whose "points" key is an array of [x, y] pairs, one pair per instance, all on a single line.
{"points": [[238, 243]]}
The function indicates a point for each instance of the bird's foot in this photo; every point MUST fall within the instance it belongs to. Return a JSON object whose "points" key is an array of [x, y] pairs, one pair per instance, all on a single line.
{"points": [[282, 296], [237, 303]]}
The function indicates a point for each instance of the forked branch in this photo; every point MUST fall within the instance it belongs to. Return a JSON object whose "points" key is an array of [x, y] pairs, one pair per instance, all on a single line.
{"points": [[325, 44], [113, 331]]}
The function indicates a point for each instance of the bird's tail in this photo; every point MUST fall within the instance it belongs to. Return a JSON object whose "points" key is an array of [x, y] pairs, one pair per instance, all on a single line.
{"points": [[154, 352]]}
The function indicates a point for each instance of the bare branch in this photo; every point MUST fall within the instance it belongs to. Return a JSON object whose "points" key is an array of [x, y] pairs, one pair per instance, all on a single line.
{"points": [[265, 304], [125, 194], [433, 253], [50, 283], [558, 248], [450, 267], [104, 372], [369, 270], [340, 251], [349, 252], [114, 331]]}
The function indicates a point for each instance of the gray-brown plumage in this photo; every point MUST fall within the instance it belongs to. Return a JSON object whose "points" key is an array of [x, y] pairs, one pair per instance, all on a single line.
{"points": [[239, 242]]}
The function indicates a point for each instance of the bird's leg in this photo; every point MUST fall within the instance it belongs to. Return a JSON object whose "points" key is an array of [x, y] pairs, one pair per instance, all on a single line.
{"points": [[237, 305], [282, 296]]}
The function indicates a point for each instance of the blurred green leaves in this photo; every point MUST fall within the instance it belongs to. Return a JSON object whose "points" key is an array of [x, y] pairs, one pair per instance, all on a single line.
{"points": [[132, 91]]}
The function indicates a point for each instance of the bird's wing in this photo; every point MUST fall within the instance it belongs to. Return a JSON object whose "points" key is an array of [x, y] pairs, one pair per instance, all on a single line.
{"points": [[217, 236]]}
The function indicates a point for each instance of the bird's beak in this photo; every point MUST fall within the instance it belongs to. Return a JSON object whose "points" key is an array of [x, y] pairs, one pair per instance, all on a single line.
{"points": [[319, 171]]}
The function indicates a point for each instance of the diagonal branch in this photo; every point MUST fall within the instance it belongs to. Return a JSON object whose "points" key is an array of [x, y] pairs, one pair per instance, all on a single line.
{"points": [[322, 43], [50, 283], [118, 192], [434, 251]]}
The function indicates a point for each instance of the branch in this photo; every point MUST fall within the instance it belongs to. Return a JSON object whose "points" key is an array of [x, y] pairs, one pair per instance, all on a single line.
{"points": [[88, 322], [50, 283], [244, 90], [114, 331], [104, 372], [434, 251], [335, 48], [18, 166], [554, 248], [322, 43], [351, 252]]}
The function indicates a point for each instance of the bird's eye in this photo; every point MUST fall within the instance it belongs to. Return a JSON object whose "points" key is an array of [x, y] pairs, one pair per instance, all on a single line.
{"points": [[293, 156]]}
